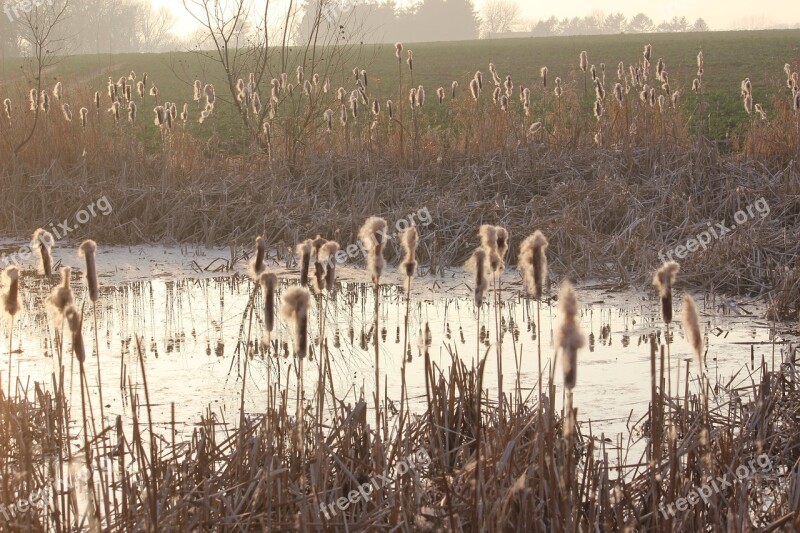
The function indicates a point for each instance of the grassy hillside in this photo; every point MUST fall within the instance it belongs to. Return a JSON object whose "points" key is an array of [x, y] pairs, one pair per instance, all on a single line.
{"points": [[729, 58]]}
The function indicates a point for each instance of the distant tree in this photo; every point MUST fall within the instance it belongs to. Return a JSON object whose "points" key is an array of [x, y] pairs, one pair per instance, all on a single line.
{"points": [[155, 29], [615, 23], [501, 16], [641, 23], [700, 25], [544, 28]]}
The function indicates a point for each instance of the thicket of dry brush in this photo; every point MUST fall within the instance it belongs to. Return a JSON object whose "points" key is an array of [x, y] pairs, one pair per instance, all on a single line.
{"points": [[511, 461]]}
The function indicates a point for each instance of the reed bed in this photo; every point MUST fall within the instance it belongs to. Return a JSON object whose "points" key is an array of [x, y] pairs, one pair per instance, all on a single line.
{"points": [[520, 460]]}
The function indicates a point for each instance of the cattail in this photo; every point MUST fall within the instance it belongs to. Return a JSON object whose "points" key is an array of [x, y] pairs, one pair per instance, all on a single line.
{"points": [[496, 95], [598, 109], [488, 235], [204, 115], [87, 249], [761, 113], [420, 96], [569, 336], [33, 98], [376, 108], [268, 284], [453, 87], [621, 71], [796, 103], [599, 90], [42, 242], [111, 90], [304, 251], [7, 107], [343, 115], [696, 85], [747, 87], [61, 296], [691, 327], [128, 92], [154, 90], [410, 60], [663, 279], [294, 308], [412, 97], [185, 113], [11, 291], [329, 120], [372, 235], [308, 89], [198, 90], [666, 88], [409, 241], [661, 101], [114, 110], [618, 93], [584, 61], [474, 88], [319, 270], [327, 255], [67, 112], [558, 90], [660, 66], [504, 102], [593, 73], [787, 69], [84, 117], [501, 234], [301, 75], [398, 51], [647, 52], [211, 94], [256, 265], [440, 94], [535, 127], [132, 111], [748, 104], [45, 102], [354, 105], [140, 89], [509, 86], [675, 97], [160, 116], [477, 266], [255, 105], [326, 86], [57, 90], [543, 74], [652, 97], [479, 77], [75, 324], [598, 138]]}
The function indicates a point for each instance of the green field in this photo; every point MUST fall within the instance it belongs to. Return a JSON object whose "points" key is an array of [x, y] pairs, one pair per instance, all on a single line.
{"points": [[729, 58]]}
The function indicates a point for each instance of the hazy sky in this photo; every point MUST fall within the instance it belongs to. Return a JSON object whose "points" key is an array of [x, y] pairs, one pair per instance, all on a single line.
{"points": [[719, 14]]}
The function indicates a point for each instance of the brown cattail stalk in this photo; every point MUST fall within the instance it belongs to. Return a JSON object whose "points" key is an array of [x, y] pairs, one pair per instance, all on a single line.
{"points": [[533, 263], [256, 266], [477, 265], [663, 279], [43, 242], [372, 236], [691, 326], [569, 337], [269, 283], [304, 251]]}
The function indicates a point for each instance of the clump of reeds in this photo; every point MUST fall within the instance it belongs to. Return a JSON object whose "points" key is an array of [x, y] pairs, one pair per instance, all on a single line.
{"points": [[294, 309], [663, 279], [42, 242]]}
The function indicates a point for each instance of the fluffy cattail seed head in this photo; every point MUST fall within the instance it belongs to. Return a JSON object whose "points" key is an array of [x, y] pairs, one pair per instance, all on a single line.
{"points": [[584, 61], [569, 337], [691, 327], [42, 243], [11, 303], [409, 241], [477, 265], [268, 283], [294, 309], [75, 323], [304, 251], [373, 236], [533, 263], [88, 249], [663, 279]]}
